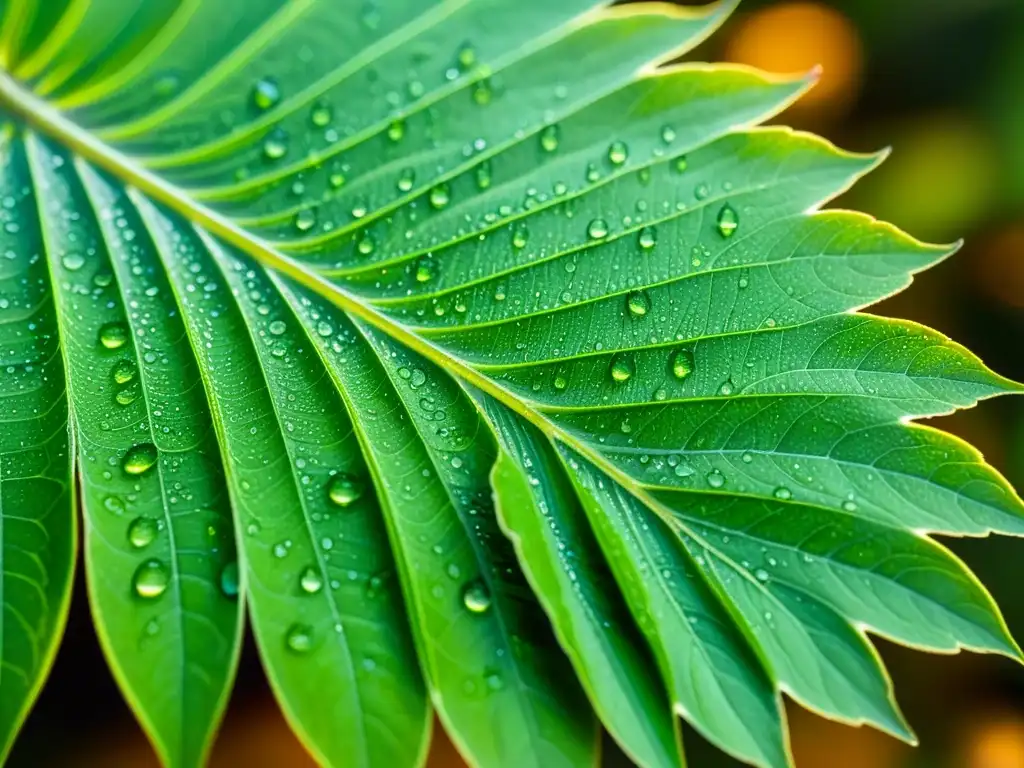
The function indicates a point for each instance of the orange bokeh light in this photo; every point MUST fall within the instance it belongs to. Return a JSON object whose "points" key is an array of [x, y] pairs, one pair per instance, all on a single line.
{"points": [[794, 38]]}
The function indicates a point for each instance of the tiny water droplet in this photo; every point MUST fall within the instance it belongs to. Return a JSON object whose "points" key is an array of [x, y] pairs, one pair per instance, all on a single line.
{"points": [[728, 221], [344, 490], [151, 579], [142, 532], [476, 598], [139, 458]]}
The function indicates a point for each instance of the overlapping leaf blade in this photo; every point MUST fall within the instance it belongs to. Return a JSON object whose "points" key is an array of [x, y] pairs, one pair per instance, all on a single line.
{"points": [[482, 259]]}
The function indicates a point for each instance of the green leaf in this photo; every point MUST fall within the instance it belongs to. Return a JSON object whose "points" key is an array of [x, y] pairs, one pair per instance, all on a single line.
{"points": [[37, 525], [529, 370]]}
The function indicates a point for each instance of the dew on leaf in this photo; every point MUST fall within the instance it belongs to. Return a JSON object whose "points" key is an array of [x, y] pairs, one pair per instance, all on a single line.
{"points": [[424, 270], [151, 579], [520, 235], [668, 134], [344, 490], [396, 131], [782, 492], [618, 153], [310, 581], [682, 363], [597, 229], [229, 579], [647, 238], [305, 220], [275, 146], [622, 368], [73, 261], [142, 532], [113, 335], [321, 114], [124, 371], [715, 479], [679, 165], [476, 598], [728, 221], [439, 197], [139, 458], [265, 93], [299, 638], [549, 138], [638, 303]]}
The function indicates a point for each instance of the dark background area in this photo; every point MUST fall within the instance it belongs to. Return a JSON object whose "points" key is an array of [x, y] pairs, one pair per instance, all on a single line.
{"points": [[942, 83]]}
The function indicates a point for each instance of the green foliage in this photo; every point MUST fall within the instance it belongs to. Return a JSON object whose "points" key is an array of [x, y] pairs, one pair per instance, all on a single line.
{"points": [[525, 375]]}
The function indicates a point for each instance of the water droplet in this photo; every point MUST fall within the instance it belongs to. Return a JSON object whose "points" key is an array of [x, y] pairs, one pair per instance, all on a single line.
{"points": [[597, 229], [277, 327], [782, 492], [682, 363], [618, 153], [151, 579], [139, 458], [679, 165], [476, 598], [561, 382], [73, 261], [321, 114], [482, 93], [113, 335], [727, 388], [406, 180], [366, 244], [622, 368], [265, 93], [142, 532], [396, 131], [229, 579], [668, 134], [849, 506], [715, 479], [310, 581], [549, 138], [648, 238], [701, 191], [124, 371], [275, 145], [466, 57], [344, 490], [305, 220], [114, 504], [761, 575], [638, 303], [424, 270], [126, 396], [483, 175], [299, 638], [728, 221], [519, 236], [440, 196]]}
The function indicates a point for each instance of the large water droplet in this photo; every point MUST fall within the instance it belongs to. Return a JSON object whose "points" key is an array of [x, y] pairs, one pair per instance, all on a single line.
{"points": [[728, 221], [142, 532], [648, 238], [113, 335], [622, 368], [520, 235], [682, 363], [782, 492], [321, 114], [424, 270], [406, 180], [715, 479], [618, 153], [124, 371], [549, 138], [305, 220], [151, 579], [310, 581], [139, 459], [638, 303], [73, 261], [597, 229], [299, 638], [344, 489], [476, 598], [275, 146], [229, 579], [265, 93], [440, 196]]}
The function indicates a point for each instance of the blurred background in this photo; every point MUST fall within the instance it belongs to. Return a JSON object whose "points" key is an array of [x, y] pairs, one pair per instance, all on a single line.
{"points": [[942, 83]]}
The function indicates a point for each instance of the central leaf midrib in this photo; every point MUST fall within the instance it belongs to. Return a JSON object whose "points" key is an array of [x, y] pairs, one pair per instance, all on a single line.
{"points": [[38, 114]]}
